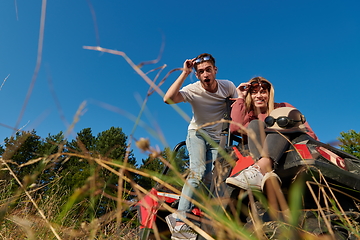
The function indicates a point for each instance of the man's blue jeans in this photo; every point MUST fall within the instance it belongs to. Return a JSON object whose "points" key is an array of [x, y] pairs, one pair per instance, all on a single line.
{"points": [[202, 156]]}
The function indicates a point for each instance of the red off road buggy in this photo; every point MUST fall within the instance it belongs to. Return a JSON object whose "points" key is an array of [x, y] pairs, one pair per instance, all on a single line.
{"points": [[308, 162]]}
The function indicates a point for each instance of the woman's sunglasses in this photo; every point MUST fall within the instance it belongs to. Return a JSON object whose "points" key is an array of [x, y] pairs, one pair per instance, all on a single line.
{"points": [[256, 86], [283, 122]]}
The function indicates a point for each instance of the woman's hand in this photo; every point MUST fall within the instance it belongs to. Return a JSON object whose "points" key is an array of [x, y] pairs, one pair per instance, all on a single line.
{"points": [[242, 90]]}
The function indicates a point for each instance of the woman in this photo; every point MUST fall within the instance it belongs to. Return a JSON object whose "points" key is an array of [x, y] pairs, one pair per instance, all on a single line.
{"points": [[254, 103]]}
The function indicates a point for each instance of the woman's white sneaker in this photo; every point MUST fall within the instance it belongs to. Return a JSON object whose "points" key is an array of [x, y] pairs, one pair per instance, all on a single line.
{"points": [[250, 177]]}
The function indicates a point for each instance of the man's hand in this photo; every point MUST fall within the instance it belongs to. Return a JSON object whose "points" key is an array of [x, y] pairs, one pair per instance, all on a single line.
{"points": [[188, 65], [173, 93]]}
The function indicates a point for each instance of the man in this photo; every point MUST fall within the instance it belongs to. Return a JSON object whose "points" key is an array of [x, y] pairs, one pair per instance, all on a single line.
{"points": [[207, 98]]}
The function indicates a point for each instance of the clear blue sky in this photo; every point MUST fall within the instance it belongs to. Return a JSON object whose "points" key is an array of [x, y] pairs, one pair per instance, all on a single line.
{"points": [[308, 49]]}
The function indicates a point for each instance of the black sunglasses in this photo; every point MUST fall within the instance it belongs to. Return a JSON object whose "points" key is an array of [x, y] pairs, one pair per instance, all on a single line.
{"points": [[202, 59], [283, 122], [255, 86]]}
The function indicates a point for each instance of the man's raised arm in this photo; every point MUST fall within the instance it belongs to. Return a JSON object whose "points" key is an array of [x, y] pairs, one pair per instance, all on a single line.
{"points": [[173, 94]]}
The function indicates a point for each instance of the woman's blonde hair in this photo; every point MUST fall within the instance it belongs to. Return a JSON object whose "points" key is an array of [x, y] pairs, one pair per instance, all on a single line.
{"points": [[249, 106]]}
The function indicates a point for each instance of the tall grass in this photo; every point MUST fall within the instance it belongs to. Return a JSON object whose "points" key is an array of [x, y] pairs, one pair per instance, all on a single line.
{"points": [[24, 214]]}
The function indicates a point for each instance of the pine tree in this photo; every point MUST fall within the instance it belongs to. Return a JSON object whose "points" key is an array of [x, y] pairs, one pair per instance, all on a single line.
{"points": [[350, 142], [91, 184], [20, 153]]}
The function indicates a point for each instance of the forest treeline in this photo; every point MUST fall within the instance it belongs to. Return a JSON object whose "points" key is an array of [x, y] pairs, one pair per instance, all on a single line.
{"points": [[69, 171]]}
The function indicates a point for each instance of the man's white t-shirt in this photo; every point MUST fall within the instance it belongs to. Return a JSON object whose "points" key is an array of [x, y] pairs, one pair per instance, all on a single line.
{"points": [[208, 107]]}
